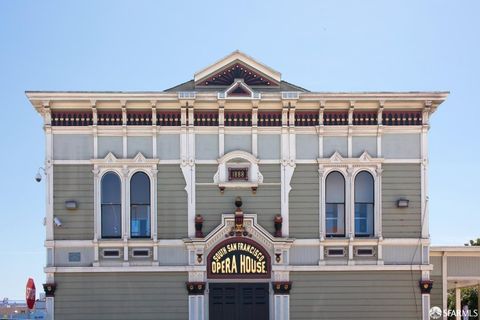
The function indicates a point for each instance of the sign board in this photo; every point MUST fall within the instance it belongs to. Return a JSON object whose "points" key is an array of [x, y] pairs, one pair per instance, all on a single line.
{"points": [[238, 258], [30, 293]]}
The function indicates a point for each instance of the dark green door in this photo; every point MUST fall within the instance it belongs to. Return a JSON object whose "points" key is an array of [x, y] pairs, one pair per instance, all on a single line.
{"points": [[235, 301]]}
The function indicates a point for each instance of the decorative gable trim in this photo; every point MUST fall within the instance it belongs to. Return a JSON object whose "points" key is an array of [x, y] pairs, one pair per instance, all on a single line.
{"points": [[364, 160], [210, 75]]}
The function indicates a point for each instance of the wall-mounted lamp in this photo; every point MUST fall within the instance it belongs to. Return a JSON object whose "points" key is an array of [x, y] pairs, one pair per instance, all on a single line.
{"points": [[402, 203], [57, 222], [71, 205], [38, 176]]}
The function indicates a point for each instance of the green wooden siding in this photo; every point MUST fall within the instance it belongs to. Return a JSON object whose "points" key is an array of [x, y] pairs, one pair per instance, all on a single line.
{"points": [[172, 203], [304, 202], [401, 181], [355, 295], [436, 297], [73, 182], [118, 296]]}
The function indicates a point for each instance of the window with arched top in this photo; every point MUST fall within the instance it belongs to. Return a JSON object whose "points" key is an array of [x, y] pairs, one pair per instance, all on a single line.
{"points": [[111, 205], [364, 204], [140, 205], [335, 205]]}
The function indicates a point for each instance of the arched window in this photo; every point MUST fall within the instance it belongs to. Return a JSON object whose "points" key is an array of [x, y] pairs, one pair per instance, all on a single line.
{"points": [[140, 206], [111, 206], [364, 204], [335, 204]]}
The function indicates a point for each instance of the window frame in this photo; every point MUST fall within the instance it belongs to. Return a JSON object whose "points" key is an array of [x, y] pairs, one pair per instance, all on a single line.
{"points": [[345, 212], [373, 204], [150, 206], [101, 204]]}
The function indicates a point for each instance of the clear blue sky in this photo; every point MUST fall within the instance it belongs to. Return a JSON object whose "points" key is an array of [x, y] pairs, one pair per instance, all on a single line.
{"points": [[153, 45]]}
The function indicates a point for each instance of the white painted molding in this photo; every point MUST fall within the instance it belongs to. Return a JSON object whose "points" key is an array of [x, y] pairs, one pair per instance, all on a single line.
{"points": [[287, 170], [225, 162], [188, 171]]}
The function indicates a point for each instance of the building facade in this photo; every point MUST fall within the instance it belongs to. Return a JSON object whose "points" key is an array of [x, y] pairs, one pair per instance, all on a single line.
{"points": [[237, 195]]}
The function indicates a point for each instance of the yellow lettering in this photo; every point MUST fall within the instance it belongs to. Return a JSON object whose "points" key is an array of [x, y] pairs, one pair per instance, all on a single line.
{"points": [[234, 265], [227, 265]]}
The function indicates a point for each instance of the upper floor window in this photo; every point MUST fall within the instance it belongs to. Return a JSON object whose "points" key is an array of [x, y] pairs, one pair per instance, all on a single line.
{"points": [[140, 205], [111, 206], [335, 204], [364, 204]]}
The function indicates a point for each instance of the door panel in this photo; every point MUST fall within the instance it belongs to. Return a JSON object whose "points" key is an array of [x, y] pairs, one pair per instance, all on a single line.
{"points": [[239, 301]]}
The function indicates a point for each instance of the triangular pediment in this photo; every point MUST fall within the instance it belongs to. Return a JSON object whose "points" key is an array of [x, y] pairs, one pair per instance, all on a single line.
{"points": [[365, 156], [336, 157], [110, 158], [237, 65], [239, 90], [139, 158]]}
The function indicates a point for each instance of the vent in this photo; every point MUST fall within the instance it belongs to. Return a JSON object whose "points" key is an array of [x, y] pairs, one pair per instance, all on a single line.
{"points": [[74, 257], [141, 253], [335, 252], [365, 252], [111, 253]]}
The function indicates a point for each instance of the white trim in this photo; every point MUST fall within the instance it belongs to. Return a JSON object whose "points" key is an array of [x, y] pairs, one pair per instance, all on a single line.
{"points": [[373, 267], [127, 269], [286, 174], [296, 242], [425, 306], [444, 284], [275, 268]]}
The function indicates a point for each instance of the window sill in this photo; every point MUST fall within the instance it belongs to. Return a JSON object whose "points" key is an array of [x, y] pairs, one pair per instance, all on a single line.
{"points": [[238, 185]]}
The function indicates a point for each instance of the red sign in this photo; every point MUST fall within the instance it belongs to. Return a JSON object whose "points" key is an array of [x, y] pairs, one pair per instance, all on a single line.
{"points": [[30, 293]]}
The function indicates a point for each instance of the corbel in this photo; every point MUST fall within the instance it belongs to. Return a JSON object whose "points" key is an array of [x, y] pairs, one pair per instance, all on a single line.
{"points": [[350, 113], [183, 115], [255, 113], [380, 112], [154, 112], [47, 113], [291, 113], [190, 114], [321, 112], [426, 112], [123, 104]]}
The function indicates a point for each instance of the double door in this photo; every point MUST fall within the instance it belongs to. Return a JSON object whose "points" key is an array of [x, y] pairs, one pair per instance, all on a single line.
{"points": [[238, 301]]}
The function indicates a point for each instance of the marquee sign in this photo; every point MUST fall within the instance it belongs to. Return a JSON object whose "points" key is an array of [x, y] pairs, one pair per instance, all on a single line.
{"points": [[238, 258]]}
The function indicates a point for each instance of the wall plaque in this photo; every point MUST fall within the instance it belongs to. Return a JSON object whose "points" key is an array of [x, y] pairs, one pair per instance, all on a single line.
{"points": [[238, 258]]}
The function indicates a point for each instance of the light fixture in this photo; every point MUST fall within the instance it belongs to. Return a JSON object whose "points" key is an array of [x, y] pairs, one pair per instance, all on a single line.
{"points": [[402, 203], [57, 222], [38, 176], [71, 205]]}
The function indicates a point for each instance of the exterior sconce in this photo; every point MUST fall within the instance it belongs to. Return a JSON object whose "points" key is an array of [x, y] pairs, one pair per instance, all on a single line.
{"points": [[402, 203], [278, 220], [49, 289], [57, 222], [198, 226], [426, 286], [71, 205], [199, 257]]}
